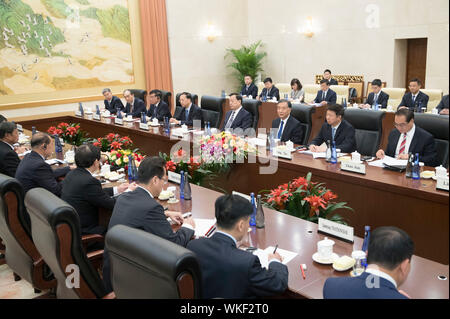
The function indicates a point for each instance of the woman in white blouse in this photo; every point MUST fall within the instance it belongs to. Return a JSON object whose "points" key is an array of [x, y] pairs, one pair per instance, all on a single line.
{"points": [[297, 93]]}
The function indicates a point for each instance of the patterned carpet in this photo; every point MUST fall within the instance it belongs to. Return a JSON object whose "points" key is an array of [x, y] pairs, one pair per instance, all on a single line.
{"points": [[9, 289]]}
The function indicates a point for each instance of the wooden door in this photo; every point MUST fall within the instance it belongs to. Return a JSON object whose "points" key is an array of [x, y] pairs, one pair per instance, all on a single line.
{"points": [[416, 61]]}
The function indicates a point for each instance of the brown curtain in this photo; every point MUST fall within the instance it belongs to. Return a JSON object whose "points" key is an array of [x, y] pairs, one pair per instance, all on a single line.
{"points": [[155, 38]]}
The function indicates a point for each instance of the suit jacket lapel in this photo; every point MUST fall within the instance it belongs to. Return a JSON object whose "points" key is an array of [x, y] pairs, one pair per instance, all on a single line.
{"points": [[414, 141]]}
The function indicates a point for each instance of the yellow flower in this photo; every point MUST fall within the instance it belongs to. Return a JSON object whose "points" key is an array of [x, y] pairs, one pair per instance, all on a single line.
{"points": [[128, 152], [126, 160], [118, 163]]}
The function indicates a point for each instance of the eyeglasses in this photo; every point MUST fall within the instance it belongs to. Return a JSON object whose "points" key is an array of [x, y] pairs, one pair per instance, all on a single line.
{"points": [[400, 125]]}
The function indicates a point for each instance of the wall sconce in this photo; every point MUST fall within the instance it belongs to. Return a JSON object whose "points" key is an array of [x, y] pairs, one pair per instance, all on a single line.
{"points": [[309, 30], [212, 33]]}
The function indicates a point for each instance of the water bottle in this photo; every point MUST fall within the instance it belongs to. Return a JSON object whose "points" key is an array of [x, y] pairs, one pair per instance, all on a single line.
{"points": [[33, 130], [166, 124], [208, 128], [409, 166], [135, 169], [271, 142], [80, 105], [416, 168], [130, 169], [344, 103], [119, 115], [286, 96], [328, 152], [187, 187], [182, 185], [224, 95], [418, 107], [365, 245], [333, 153], [253, 216], [58, 146], [260, 220], [98, 109]]}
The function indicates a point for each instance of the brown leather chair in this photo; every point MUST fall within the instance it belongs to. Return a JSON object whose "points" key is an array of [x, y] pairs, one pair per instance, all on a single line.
{"points": [[21, 254], [146, 266], [56, 233]]}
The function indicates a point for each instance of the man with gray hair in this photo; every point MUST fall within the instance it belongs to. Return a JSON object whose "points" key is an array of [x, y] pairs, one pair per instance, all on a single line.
{"points": [[112, 103]]}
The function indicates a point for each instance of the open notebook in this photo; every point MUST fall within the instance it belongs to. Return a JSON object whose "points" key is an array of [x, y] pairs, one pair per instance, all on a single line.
{"points": [[263, 255]]}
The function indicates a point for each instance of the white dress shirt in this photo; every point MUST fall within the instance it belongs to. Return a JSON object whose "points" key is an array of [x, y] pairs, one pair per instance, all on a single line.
{"points": [[409, 137], [284, 125], [381, 274]]}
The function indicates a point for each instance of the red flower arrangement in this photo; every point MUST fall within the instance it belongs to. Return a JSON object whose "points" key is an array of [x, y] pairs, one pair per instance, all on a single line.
{"points": [[113, 142], [70, 133]]}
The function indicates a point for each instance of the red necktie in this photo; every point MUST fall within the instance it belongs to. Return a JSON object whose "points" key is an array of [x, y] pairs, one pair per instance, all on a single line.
{"points": [[403, 145]]}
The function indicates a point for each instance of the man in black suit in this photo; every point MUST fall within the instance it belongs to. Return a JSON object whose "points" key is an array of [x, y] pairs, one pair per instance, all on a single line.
{"points": [[377, 96], [84, 192], [190, 114], [112, 103], [408, 138], [140, 210], [269, 92], [3, 119], [34, 172], [327, 76], [443, 106], [238, 119], [326, 95], [229, 272], [158, 108], [286, 127], [9, 160], [135, 106], [249, 90], [335, 129], [414, 99]]}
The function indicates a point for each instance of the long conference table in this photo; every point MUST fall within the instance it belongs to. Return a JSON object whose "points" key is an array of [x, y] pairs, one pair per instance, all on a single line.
{"points": [[379, 198]]}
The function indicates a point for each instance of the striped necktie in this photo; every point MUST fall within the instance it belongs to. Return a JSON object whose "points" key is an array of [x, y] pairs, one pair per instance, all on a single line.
{"points": [[403, 145], [230, 121]]}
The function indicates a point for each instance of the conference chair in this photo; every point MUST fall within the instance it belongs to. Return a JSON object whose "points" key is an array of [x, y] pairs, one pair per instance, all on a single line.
{"points": [[141, 94], [212, 109], [435, 97], [167, 97], [437, 126], [395, 96], [368, 129], [284, 88], [310, 92], [21, 254], [303, 113], [55, 228], [2, 253], [145, 266], [252, 106], [260, 86], [342, 92], [359, 88]]}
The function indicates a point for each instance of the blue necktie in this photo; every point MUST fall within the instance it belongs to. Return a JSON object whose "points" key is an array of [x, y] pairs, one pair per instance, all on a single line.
{"points": [[280, 131], [187, 115], [333, 132]]}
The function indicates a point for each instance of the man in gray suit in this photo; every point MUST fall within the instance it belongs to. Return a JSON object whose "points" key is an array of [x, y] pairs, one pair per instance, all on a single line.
{"points": [[140, 210]]}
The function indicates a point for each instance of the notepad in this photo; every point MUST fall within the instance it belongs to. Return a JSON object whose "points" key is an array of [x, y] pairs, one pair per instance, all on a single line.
{"points": [[202, 226], [54, 161], [263, 255]]}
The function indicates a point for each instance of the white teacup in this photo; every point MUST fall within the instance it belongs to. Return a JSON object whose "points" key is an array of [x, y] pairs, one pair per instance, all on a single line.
{"points": [[289, 145], [389, 108], [184, 128], [441, 171], [155, 121], [356, 157], [435, 111], [106, 168], [129, 117], [325, 248]]}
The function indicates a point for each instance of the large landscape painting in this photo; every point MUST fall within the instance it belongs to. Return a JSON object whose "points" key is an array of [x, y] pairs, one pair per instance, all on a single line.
{"points": [[53, 45]]}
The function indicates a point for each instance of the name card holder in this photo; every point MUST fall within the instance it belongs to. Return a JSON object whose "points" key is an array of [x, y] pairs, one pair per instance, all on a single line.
{"points": [[282, 153], [442, 183], [118, 121], [349, 166], [19, 128], [174, 177], [97, 117], [144, 126], [78, 114], [345, 233]]}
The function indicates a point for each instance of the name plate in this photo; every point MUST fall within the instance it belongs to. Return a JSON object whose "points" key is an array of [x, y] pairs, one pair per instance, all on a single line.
{"points": [[78, 114], [19, 127], [118, 121], [350, 166], [337, 230], [144, 126], [442, 183], [174, 177], [283, 153], [97, 117]]}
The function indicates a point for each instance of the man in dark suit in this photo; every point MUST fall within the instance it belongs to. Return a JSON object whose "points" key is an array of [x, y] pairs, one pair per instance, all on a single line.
{"points": [[84, 192], [158, 108], [286, 127], [3, 119], [34, 172], [135, 106], [327, 76], [414, 99], [377, 96], [238, 119], [112, 103], [443, 106], [326, 95], [190, 114], [249, 90], [9, 160], [335, 129], [389, 263], [408, 138], [269, 92], [140, 210], [229, 272]]}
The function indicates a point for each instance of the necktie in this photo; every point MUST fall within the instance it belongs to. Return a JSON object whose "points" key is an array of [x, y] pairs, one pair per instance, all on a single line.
{"points": [[414, 98], [230, 121], [324, 96], [131, 108], [403, 145], [187, 115], [375, 100], [333, 132], [280, 131]]}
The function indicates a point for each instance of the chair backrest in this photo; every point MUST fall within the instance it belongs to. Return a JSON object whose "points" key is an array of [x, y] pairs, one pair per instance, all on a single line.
{"points": [[167, 97], [141, 94], [260, 86], [146, 266], [284, 88], [311, 92], [395, 96], [303, 113], [252, 106], [55, 228], [368, 129], [212, 109], [435, 97], [359, 87], [194, 99], [369, 87], [436, 125], [341, 92]]}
